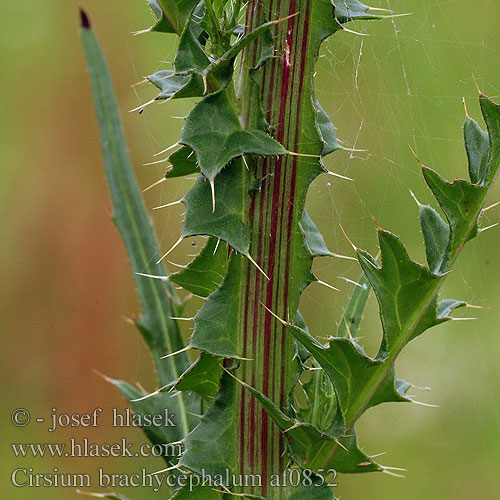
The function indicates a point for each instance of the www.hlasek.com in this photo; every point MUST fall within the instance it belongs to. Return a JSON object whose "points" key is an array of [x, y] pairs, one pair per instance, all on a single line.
{"points": [[86, 448], [23, 477]]}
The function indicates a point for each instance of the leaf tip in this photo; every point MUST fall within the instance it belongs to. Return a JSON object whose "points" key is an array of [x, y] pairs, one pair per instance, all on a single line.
{"points": [[84, 20]]}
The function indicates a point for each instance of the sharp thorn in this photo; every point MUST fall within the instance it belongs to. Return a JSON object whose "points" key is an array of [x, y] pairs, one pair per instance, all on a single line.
{"points": [[347, 238], [416, 156], [282, 321], [168, 469], [249, 257], [350, 281], [343, 257], [153, 276], [157, 162], [338, 175], [490, 207], [379, 227], [212, 188], [476, 84], [184, 349], [327, 285], [465, 107], [150, 395], [305, 155], [168, 205], [104, 377], [471, 306], [415, 198], [393, 474], [176, 244], [142, 106], [163, 179], [167, 149], [423, 404], [483, 229], [350, 31]]}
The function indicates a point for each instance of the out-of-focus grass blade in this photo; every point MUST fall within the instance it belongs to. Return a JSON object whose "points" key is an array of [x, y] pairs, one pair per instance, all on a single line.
{"points": [[161, 333]]}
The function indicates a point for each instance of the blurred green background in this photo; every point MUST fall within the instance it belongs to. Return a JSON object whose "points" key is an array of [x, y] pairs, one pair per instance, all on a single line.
{"points": [[67, 290]]}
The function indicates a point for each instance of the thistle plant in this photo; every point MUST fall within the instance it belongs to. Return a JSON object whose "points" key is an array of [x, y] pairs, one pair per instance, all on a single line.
{"points": [[256, 139]]}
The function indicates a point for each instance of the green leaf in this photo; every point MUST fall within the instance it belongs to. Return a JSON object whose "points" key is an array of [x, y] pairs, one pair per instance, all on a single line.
{"points": [[161, 333], [349, 368], [314, 240], [326, 130], [214, 132], [202, 377], [460, 201], [216, 324], [211, 446], [312, 449], [173, 86], [352, 10], [491, 115], [436, 234], [206, 272], [178, 12], [351, 318], [162, 24], [477, 146], [183, 163], [190, 57], [226, 223], [403, 288]]}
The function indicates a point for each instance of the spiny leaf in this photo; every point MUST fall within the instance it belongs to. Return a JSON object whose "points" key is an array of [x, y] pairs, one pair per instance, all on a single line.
{"points": [[211, 446], [352, 10], [183, 163], [326, 130], [460, 201], [178, 13], [173, 86], [214, 132], [310, 448], [226, 223], [349, 368], [314, 240], [161, 333], [162, 24], [216, 323], [206, 272], [436, 234], [477, 145], [403, 288], [202, 377], [190, 57], [491, 115], [351, 318]]}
